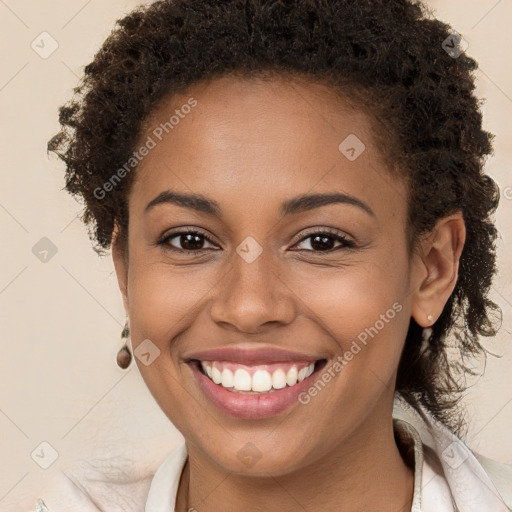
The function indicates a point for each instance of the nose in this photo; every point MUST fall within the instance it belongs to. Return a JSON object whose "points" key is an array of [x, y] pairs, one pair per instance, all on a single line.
{"points": [[253, 295]]}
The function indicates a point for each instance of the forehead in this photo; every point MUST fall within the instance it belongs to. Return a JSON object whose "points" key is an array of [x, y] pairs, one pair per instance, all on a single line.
{"points": [[265, 137]]}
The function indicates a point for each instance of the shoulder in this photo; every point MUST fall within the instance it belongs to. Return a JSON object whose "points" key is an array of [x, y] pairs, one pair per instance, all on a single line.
{"points": [[501, 476], [97, 486], [475, 483]]}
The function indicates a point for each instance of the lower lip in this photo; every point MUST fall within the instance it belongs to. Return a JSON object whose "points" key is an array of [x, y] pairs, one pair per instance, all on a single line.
{"points": [[252, 407]]}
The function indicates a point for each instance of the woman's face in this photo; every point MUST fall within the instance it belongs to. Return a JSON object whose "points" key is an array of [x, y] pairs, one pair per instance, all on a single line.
{"points": [[265, 170]]}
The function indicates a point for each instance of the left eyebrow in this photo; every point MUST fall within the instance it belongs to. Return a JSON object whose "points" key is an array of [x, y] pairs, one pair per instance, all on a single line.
{"points": [[292, 206], [308, 202]]}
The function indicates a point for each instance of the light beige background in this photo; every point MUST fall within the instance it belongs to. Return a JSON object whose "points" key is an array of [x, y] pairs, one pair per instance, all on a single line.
{"points": [[61, 320]]}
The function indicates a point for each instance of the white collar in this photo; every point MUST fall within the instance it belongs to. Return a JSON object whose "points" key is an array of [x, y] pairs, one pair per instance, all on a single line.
{"points": [[164, 486], [447, 475]]}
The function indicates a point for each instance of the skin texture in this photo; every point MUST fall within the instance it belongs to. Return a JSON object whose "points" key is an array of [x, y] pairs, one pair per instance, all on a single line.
{"points": [[250, 146]]}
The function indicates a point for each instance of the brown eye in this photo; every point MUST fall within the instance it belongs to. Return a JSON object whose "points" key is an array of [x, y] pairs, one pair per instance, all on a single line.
{"points": [[186, 241], [325, 241]]}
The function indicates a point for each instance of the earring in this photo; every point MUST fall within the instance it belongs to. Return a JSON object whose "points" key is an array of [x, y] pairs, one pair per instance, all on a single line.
{"points": [[124, 356], [429, 318]]}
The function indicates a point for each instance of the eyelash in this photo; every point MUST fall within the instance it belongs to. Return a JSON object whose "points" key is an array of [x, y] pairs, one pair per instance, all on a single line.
{"points": [[347, 243]]}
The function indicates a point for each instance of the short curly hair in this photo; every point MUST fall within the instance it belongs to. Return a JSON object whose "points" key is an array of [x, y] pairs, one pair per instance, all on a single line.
{"points": [[392, 59]]}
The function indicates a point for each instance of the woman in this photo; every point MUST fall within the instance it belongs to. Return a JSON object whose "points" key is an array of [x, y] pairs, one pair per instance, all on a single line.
{"points": [[300, 226]]}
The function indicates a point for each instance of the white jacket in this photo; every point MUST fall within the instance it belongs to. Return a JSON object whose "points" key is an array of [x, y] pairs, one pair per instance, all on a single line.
{"points": [[448, 476]]}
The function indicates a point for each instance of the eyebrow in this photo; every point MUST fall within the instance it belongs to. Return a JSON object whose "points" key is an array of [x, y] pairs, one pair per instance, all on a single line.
{"points": [[292, 206]]}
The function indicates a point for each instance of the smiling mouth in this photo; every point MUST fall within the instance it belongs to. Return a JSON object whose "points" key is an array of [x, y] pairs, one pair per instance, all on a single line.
{"points": [[258, 379]]}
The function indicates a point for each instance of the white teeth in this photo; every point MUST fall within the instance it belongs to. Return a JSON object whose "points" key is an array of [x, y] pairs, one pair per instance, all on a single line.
{"points": [[227, 378], [216, 375], [242, 380], [261, 381], [302, 374], [207, 369], [306, 372], [278, 379], [291, 376]]}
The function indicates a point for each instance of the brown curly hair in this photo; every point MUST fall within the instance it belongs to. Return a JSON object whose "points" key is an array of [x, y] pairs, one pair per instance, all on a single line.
{"points": [[388, 56]]}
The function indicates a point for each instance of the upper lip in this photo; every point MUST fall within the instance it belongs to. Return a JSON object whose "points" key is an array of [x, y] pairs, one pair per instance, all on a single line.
{"points": [[259, 355]]}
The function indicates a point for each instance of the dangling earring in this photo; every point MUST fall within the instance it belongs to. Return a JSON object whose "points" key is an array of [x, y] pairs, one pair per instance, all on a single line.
{"points": [[124, 356]]}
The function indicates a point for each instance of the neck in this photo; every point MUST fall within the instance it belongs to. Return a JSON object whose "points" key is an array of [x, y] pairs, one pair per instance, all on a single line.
{"points": [[362, 473]]}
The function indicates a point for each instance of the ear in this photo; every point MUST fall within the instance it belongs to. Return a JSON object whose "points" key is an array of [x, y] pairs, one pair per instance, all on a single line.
{"points": [[435, 269], [120, 259]]}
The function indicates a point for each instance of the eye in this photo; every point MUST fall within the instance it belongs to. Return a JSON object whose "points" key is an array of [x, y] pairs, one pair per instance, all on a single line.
{"points": [[193, 241], [190, 241], [323, 241]]}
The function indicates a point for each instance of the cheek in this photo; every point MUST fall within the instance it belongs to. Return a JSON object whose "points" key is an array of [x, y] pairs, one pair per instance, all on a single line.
{"points": [[364, 311], [163, 299], [350, 298], [164, 302]]}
